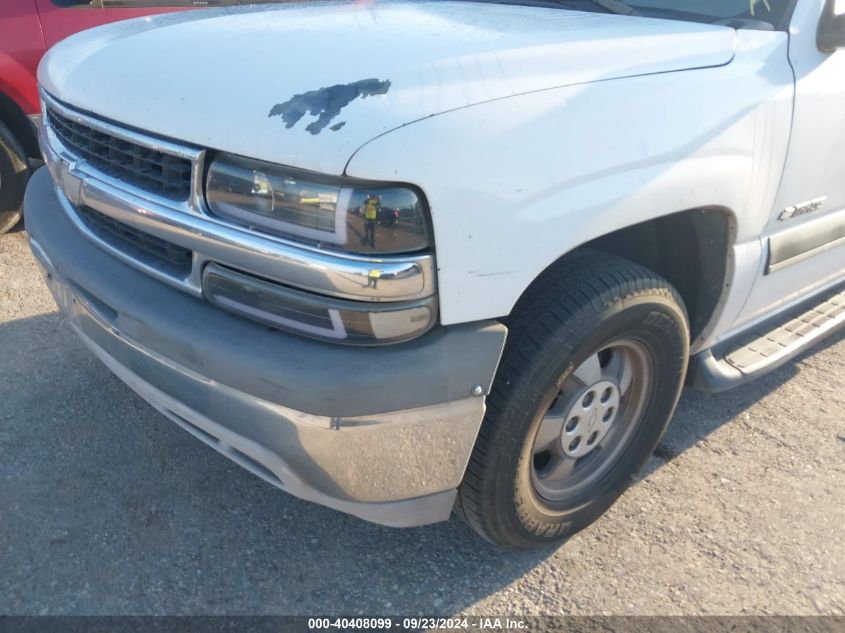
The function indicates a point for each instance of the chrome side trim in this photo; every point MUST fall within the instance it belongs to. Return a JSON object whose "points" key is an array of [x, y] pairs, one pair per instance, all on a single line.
{"points": [[210, 239], [807, 240]]}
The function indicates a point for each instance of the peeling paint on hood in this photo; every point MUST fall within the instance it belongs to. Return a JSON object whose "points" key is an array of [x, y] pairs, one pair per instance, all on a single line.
{"points": [[326, 103], [209, 77]]}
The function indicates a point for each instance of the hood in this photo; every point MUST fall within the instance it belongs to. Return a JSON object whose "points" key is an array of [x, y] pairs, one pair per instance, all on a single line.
{"points": [[306, 85]]}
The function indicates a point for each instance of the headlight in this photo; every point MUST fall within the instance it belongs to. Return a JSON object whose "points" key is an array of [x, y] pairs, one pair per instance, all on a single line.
{"points": [[333, 213], [375, 220]]}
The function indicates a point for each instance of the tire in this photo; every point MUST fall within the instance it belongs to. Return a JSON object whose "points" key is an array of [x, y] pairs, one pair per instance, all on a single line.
{"points": [[14, 174], [593, 312]]}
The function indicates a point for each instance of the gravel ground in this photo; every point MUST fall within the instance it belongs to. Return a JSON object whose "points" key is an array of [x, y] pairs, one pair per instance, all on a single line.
{"points": [[106, 507]]}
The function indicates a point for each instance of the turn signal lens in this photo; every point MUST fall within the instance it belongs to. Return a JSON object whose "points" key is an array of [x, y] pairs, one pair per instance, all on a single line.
{"points": [[315, 316]]}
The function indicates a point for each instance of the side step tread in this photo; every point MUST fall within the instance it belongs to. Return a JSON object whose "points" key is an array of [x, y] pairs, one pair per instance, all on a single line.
{"points": [[769, 344]]}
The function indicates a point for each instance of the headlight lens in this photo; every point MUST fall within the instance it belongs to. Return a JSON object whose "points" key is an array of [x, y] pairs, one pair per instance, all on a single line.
{"points": [[329, 212], [340, 214]]}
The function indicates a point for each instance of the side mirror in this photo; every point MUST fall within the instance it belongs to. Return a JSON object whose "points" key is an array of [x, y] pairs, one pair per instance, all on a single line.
{"points": [[67, 4], [831, 29]]}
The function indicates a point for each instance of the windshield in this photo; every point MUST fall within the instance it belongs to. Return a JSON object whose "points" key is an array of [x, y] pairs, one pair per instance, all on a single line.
{"points": [[772, 12], [749, 14], [755, 14]]}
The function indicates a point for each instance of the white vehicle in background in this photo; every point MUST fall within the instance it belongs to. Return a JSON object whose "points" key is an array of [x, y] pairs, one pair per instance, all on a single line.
{"points": [[594, 195]]}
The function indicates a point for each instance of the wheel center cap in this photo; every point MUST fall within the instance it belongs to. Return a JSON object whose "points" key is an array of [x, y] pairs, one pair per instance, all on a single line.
{"points": [[590, 418]]}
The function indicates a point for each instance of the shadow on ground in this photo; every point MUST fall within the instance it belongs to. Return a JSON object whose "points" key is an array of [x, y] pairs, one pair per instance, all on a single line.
{"points": [[107, 507], [700, 413]]}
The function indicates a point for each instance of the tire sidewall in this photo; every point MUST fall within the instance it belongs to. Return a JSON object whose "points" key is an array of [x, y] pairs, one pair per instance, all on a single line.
{"points": [[14, 174], [659, 324]]}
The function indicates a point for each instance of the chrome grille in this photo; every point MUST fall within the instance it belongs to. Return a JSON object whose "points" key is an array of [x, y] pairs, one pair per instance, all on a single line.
{"points": [[166, 256], [152, 170]]}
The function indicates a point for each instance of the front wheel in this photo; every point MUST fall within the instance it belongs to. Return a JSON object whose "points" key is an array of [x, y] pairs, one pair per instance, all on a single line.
{"points": [[14, 174], [590, 376]]}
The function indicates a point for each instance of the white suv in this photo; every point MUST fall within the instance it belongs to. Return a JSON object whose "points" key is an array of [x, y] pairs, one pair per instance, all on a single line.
{"points": [[408, 258]]}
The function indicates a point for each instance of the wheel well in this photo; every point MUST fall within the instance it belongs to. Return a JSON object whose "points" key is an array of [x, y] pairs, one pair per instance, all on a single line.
{"points": [[690, 249], [19, 124]]}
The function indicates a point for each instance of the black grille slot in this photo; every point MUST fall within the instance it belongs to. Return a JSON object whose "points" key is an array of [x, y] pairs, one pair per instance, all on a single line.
{"points": [[151, 170], [154, 251]]}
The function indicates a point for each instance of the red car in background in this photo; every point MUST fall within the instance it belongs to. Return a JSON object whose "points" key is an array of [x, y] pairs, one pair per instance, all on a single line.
{"points": [[27, 29]]}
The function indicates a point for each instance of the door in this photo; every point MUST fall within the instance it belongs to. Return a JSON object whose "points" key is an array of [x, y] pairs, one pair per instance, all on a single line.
{"points": [[805, 239]]}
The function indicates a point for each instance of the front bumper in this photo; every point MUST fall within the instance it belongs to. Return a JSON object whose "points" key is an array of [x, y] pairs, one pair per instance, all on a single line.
{"points": [[384, 433]]}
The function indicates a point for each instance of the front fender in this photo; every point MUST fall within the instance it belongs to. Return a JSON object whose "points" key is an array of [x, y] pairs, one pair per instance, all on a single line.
{"points": [[516, 183]]}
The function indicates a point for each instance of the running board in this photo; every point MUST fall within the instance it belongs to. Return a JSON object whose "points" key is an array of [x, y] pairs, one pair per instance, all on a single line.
{"points": [[768, 345]]}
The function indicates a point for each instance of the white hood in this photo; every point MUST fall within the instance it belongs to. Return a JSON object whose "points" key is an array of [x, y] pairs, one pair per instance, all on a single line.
{"points": [[254, 80]]}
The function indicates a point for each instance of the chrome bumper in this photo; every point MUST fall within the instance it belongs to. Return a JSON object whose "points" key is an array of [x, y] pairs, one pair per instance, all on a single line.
{"points": [[384, 434]]}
